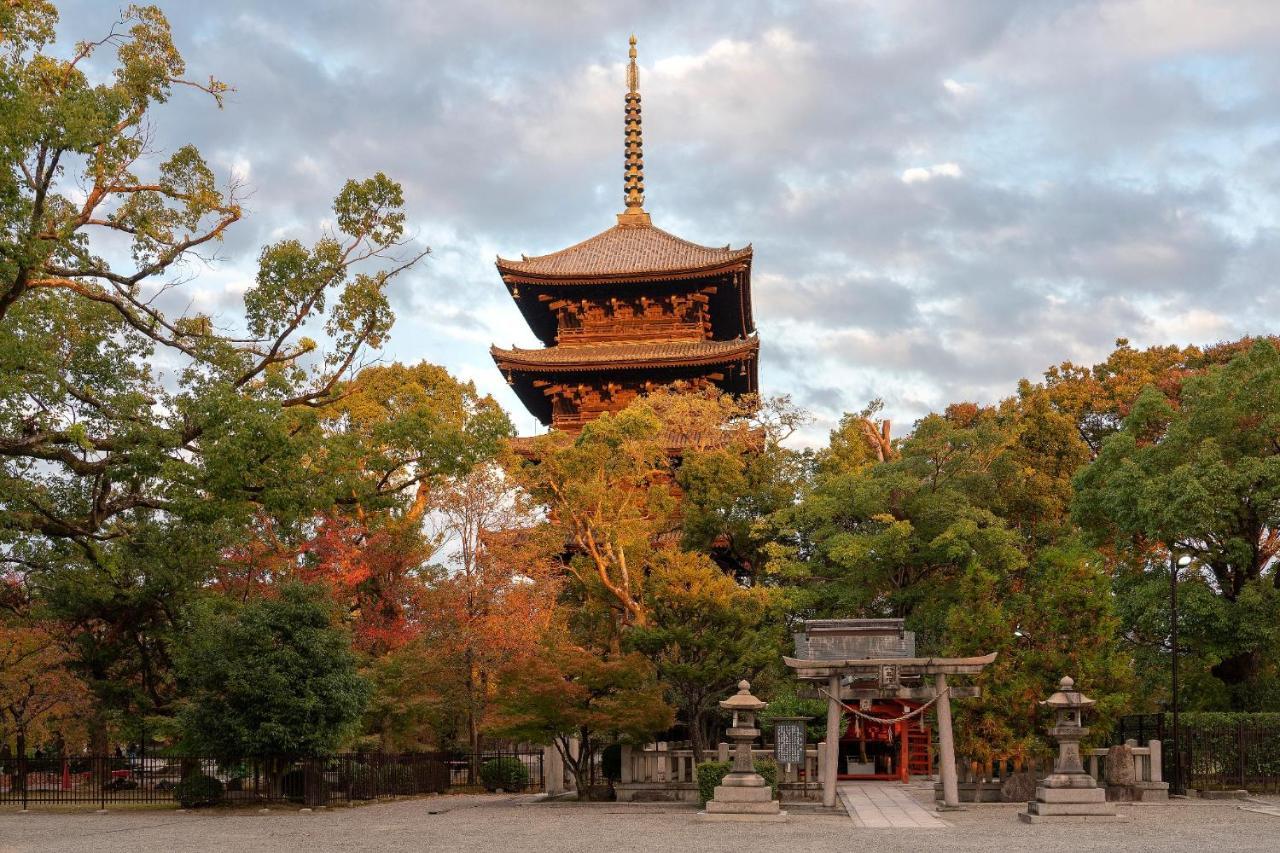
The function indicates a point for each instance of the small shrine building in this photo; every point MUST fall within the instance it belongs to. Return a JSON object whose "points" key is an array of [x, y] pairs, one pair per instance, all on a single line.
{"points": [[629, 310], [868, 669]]}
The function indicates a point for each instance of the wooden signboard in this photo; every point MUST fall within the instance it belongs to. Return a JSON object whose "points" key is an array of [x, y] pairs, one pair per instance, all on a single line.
{"points": [[789, 736]]}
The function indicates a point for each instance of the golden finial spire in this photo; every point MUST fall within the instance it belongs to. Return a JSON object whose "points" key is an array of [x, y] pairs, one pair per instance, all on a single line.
{"points": [[633, 184]]}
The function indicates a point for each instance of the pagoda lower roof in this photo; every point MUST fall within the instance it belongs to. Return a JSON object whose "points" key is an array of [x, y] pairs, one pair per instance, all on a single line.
{"points": [[625, 252], [625, 355]]}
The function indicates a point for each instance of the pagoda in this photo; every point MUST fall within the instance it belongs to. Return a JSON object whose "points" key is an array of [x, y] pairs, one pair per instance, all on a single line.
{"points": [[629, 310]]}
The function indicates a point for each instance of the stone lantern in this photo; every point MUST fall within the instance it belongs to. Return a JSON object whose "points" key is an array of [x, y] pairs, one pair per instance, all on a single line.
{"points": [[743, 794], [1069, 791], [1068, 706]]}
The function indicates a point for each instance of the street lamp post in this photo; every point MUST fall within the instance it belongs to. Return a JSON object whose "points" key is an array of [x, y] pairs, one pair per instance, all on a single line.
{"points": [[1174, 565]]}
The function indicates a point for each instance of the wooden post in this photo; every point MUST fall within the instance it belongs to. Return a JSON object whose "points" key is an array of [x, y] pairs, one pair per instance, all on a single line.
{"points": [[946, 745], [904, 759], [830, 769]]}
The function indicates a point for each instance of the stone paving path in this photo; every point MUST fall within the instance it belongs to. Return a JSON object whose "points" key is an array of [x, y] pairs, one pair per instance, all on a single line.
{"points": [[885, 805]]}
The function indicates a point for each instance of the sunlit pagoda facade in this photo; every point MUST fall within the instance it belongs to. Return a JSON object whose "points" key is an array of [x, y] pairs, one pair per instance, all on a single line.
{"points": [[629, 310]]}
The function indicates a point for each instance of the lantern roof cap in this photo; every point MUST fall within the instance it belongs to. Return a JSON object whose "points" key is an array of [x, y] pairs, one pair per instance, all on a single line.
{"points": [[743, 700], [1067, 696]]}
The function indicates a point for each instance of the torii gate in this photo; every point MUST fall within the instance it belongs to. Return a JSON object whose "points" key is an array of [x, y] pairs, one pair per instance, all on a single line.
{"points": [[888, 674]]}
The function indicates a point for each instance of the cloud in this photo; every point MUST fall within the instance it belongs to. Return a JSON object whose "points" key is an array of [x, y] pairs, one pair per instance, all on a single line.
{"points": [[943, 197], [920, 174]]}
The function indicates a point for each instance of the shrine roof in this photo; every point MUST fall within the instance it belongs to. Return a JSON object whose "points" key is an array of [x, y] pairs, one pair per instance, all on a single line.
{"points": [[626, 354], [626, 251]]}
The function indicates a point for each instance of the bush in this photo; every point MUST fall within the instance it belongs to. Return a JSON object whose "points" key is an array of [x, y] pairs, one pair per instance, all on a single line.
{"points": [[508, 774], [711, 774], [198, 790]]}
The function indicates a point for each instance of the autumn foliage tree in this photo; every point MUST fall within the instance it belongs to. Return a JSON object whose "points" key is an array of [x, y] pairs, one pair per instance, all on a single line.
{"points": [[485, 607], [579, 701], [38, 692]]}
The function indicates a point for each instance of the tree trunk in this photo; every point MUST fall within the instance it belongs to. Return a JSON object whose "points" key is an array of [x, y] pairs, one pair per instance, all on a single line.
{"points": [[579, 766], [697, 737]]}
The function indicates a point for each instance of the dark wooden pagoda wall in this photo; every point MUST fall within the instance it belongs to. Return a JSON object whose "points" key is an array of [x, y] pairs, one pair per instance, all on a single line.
{"points": [[668, 317]]}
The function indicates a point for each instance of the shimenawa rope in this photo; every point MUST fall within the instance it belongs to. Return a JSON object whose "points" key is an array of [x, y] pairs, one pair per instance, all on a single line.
{"points": [[881, 720]]}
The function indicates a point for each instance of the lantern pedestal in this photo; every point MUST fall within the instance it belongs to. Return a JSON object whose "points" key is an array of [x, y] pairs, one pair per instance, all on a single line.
{"points": [[744, 795], [1069, 794]]}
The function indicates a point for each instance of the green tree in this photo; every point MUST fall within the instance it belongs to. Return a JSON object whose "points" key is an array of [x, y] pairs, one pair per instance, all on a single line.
{"points": [[893, 538], [1200, 476], [275, 676], [1052, 619], [707, 633]]}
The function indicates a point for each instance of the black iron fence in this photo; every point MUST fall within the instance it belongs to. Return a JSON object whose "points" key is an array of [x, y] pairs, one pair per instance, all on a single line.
{"points": [[1215, 755], [341, 779]]}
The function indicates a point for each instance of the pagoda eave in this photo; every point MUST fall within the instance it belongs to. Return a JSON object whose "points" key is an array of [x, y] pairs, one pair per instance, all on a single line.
{"points": [[635, 356], [513, 275]]}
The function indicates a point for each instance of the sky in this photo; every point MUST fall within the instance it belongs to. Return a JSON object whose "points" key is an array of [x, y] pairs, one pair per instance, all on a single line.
{"points": [[944, 196]]}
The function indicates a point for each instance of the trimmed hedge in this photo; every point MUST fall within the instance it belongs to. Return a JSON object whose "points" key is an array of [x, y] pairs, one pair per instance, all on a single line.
{"points": [[507, 773], [711, 773], [198, 790], [1193, 719]]}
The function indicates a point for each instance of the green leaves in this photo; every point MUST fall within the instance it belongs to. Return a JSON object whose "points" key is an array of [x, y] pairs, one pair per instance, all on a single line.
{"points": [[1201, 476], [371, 210], [273, 677]]}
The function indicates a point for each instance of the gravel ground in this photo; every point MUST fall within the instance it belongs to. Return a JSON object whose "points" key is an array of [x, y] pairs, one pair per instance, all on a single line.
{"points": [[485, 823]]}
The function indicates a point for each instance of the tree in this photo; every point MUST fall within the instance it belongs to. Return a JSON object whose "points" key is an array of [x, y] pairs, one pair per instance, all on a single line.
{"points": [[483, 610], [1099, 398], [893, 538], [732, 470], [608, 491], [495, 598], [36, 687], [565, 692], [1200, 476], [707, 633], [271, 677], [1056, 618], [138, 440]]}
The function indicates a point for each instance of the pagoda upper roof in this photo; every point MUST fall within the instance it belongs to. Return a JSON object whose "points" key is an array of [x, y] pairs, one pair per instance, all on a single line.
{"points": [[625, 354], [627, 251]]}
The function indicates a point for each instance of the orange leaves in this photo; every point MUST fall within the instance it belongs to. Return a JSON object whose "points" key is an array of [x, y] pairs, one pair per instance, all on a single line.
{"points": [[35, 686], [370, 573]]}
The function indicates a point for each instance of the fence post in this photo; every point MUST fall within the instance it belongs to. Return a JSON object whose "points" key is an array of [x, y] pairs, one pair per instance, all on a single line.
{"points": [[1240, 751], [102, 785], [22, 770]]}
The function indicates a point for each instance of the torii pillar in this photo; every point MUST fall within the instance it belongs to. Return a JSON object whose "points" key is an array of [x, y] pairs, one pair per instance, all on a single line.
{"points": [[946, 745], [830, 766]]}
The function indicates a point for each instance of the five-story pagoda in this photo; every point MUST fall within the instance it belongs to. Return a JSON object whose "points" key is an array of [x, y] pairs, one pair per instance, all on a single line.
{"points": [[628, 310]]}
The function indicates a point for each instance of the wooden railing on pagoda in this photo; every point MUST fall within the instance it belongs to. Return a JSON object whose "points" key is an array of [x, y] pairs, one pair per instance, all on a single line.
{"points": [[640, 329]]}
